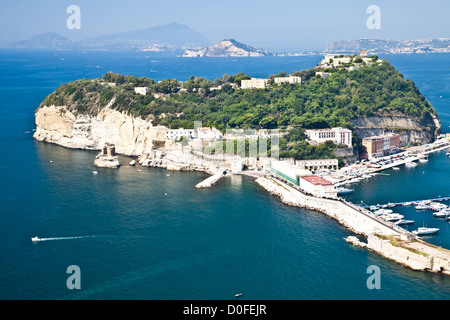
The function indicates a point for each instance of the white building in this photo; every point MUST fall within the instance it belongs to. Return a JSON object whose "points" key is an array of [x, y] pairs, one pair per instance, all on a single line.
{"points": [[254, 83], [318, 186], [317, 164], [208, 134], [337, 135], [142, 90], [177, 134], [290, 79]]}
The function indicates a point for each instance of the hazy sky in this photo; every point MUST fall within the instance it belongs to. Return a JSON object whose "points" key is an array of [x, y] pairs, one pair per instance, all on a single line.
{"points": [[273, 24]]}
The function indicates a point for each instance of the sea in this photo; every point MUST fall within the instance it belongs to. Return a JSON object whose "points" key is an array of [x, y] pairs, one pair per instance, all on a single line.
{"points": [[151, 235]]}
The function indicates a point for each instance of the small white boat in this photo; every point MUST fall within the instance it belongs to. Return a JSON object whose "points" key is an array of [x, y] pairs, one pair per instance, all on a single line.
{"points": [[421, 207], [238, 295], [392, 217], [441, 214], [396, 168], [167, 175], [390, 205], [95, 172], [35, 239], [404, 222], [132, 162], [383, 212], [424, 231], [411, 164], [425, 159], [406, 204]]}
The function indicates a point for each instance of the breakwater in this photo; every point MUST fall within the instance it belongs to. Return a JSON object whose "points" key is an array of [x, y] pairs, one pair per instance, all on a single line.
{"points": [[210, 181], [383, 237]]}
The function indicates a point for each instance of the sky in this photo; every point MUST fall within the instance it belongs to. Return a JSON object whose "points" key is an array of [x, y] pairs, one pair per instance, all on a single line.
{"points": [[274, 25]]}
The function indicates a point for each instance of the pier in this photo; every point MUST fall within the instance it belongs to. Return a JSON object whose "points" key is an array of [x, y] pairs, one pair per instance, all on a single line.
{"points": [[383, 237], [210, 181], [407, 203]]}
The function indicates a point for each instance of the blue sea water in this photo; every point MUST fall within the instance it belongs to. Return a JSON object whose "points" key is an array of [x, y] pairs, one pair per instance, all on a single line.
{"points": [[146, 235]]}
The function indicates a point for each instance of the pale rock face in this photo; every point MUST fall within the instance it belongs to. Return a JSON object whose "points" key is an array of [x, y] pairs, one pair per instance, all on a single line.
{"points": [[131, 136]]}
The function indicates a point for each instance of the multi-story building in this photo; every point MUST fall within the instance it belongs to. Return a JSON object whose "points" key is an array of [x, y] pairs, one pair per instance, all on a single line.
{"points": [[254, 83], [209, 134], [177, 134], [336, 135], [318, 186], [317, 164], [378, 146], [290, 79]]}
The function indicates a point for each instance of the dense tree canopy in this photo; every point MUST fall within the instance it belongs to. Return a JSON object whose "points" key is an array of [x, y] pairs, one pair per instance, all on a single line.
{"points": [[316, 103]]}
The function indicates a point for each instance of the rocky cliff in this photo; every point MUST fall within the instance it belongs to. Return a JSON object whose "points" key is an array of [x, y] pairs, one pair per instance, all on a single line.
{"points": [[226, 48], [131, 136], [410, 129]]}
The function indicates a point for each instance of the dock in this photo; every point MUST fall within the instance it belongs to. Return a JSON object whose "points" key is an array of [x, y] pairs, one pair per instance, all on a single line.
{"points": [[407, 203], [210, 181]]}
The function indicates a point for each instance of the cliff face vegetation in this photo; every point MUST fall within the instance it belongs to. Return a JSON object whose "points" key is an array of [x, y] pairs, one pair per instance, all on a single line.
{"points": [[368, 100]]}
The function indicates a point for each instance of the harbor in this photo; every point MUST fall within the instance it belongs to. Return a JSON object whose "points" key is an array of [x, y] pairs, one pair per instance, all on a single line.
{"points": [[384, 237]]}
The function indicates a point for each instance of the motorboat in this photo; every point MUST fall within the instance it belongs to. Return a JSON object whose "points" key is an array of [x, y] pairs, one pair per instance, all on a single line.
{"points": [[421, 207], [406, 204], [441, 214], [391, 205], [438, 206], [238, 295], [383, 212], [95, 172], [35, 239], [396, 168], [411, 164], [424, 231], [132, 162], [403, 222], [341, 191], [392, 217], [423, 159]]}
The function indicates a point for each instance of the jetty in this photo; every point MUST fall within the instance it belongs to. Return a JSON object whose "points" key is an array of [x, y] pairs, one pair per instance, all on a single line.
{"points": [[210, 181], [383, 237], [408, 203]]}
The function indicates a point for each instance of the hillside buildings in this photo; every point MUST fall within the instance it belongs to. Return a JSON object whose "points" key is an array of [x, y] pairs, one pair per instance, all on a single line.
{"points": [[303, 179], [254, 83], [142, 90], [289, 79], [379, 146], [336, 135]]}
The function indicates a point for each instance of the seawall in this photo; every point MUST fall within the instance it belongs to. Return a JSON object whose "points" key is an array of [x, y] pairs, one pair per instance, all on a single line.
{"points": [[384, 238]]}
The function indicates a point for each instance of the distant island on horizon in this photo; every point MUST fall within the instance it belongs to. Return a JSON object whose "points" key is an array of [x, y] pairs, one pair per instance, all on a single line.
{"points": [[180, 40]]}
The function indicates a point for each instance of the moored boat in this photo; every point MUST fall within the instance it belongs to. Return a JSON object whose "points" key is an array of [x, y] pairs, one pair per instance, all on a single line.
{"points": [[404, 222], [424, 231]]}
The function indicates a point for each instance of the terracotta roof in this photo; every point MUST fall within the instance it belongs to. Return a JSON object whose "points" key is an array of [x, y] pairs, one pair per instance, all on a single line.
{"points": [[318, 181]]}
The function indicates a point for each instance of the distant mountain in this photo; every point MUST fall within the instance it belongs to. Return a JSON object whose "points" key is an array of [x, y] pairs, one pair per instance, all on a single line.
{"points": [[171, 36], [49, 40], [390, 46], [227, 48]]}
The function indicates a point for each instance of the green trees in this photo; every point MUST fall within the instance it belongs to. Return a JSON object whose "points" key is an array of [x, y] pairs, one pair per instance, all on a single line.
{"points": [[317, 103]]}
